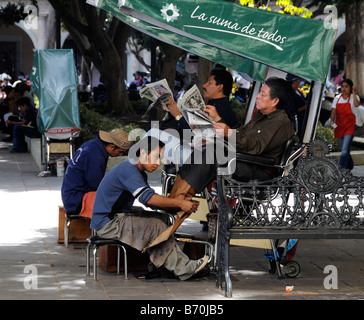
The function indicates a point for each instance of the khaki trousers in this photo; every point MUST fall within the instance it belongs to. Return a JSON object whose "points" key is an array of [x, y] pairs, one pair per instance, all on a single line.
{"points": [[138, 231]]}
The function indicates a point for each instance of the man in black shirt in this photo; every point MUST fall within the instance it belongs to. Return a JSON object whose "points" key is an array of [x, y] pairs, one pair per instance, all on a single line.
{"points": [[217, 90], [265, 135]]}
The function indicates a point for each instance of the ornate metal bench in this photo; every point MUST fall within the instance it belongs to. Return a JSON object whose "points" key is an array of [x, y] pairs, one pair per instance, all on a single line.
{"points": [[316, 199]]}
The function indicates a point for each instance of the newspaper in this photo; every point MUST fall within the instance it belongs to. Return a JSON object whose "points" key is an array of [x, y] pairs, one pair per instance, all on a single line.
{"points": [[191, 105], [152, 91], [192, 108], [158, 92]]}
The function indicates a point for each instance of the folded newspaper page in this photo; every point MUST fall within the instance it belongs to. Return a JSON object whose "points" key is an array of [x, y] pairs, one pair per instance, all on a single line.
{"points": [[191, 105], [192, 108], [158, 92], [152, 91]]}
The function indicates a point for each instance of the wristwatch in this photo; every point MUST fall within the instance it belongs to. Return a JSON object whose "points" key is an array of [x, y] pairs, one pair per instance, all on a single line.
{"points": [[178, 117]]}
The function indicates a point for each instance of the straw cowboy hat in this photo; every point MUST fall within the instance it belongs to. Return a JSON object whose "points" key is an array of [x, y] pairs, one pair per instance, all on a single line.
{"points": [[117, 136]]}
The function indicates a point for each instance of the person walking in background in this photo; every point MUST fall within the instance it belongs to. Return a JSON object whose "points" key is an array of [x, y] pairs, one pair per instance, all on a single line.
{"points": [[298, 104], [339, 78], [343, 120]]}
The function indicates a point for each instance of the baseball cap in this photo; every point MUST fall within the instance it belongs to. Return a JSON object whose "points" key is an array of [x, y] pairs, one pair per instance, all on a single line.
{"points": [[117, 136]]}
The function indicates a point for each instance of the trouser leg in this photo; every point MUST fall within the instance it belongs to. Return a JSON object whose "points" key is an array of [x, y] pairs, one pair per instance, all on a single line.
{"points": [[137, 232], [19, 143], [180, 264], [182, 189], [346, 160]]}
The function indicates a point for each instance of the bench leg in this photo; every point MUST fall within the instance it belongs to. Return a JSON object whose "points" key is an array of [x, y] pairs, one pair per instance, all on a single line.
{"points": [[223, 249], [125, 264], [228, 284], [276, 260], [95, 262], [88, 267], [66, 231], [118, 261]]}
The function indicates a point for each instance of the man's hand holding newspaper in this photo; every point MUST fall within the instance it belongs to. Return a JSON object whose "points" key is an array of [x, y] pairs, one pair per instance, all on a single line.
{"points": [[191, 106], [158, 93]]}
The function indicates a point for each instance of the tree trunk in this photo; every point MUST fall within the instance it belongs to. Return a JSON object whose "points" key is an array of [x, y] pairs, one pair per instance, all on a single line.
{"points": [[204, 70], [104, 47], [110, 76], [112, 72], [354, 45], [171, 56]]}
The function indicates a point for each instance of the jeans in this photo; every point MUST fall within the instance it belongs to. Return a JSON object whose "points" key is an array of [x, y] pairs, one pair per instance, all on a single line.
{"points": [[19, 133], [346, 161]]}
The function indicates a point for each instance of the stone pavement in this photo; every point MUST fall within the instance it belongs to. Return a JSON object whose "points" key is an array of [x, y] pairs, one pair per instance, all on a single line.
{"points": [[34, 266]]}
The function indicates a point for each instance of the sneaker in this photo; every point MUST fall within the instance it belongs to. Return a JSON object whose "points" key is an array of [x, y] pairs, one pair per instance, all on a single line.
{"points": [[201, 263]]}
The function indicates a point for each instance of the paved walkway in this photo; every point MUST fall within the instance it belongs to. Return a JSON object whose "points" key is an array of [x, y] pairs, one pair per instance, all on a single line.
{"points": [[34, 266]]}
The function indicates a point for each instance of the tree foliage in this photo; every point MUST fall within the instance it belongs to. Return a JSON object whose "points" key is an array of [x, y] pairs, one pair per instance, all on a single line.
{"points": [[304, 9], [283, 6], [14, 12]]}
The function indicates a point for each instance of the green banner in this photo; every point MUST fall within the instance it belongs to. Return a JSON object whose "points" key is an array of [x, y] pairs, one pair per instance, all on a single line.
{"points": [[292, 44], [254, 71]]}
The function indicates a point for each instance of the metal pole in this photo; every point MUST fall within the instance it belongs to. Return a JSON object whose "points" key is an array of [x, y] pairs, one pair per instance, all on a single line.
{"points": [[314, 107]]}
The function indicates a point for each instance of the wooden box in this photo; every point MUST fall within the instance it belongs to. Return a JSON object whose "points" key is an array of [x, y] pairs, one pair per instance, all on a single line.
{"points": [[79, 229], [59, 147], [137, 261]]}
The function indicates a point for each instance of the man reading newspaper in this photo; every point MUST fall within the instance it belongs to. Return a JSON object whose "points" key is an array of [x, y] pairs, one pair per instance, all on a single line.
{"points": [[216, 90], [190, 113]]}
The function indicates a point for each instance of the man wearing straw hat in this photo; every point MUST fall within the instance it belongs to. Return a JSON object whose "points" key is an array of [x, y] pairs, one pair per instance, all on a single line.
{"points": [[87, 168]]}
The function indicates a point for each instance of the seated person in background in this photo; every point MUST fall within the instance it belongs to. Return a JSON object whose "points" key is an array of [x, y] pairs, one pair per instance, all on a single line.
{"points": [[298, 103], [133, 92], [87, 168], [12, 114], [25, 126], [264, 135], [113, 217]]}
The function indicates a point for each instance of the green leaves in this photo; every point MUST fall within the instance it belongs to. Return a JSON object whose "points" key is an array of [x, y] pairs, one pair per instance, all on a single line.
{"points": [[14, 12]]}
